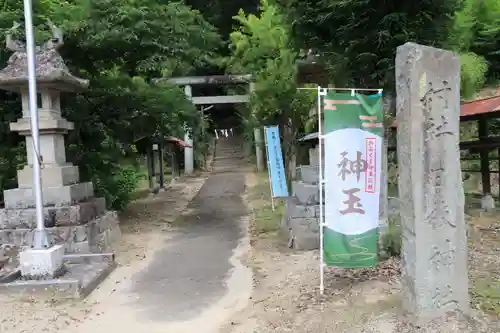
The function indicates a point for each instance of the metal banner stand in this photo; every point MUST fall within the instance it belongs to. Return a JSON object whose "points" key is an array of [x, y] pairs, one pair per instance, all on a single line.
{"points": [[321, 92], [40, 240], [321, 181], [269, 170]]}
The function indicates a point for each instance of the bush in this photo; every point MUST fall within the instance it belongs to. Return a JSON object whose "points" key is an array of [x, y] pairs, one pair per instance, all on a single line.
{"points": [[391, 240], [118, 188]]}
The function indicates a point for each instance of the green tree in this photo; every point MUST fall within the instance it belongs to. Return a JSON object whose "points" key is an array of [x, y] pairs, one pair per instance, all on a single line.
{"points": [[119, 45], [357, 39], [220, 12], [476, 34], [262, 46]]}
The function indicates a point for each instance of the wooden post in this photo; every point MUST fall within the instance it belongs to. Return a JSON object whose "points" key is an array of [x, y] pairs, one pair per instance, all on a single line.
{"points": [[173, 160], [484, 156], [150, 164], [161, 166]]}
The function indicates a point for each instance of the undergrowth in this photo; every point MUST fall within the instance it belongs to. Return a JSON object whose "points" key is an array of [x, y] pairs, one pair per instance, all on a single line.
{"points": [[265, 219]]}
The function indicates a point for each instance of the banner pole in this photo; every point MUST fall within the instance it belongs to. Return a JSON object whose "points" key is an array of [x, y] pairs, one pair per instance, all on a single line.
{"points": [[269, 169], [320, 183]]}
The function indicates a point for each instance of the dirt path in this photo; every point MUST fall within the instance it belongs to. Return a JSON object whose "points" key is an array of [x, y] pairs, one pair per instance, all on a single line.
{"points": [[174, 275], [286, 286]]}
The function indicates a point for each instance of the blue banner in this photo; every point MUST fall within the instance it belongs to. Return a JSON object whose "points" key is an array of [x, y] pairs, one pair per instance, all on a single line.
{"points": [[275, 162]]}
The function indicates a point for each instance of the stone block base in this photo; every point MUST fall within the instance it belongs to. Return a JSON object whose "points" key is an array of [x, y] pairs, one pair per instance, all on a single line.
{"points": [[95, 236], [305, 232], [301, 223], [294, 208], [41, 264], [78, 214], [82, 274], [308, 174], [52, 175], [52, 196], [307, 194]]}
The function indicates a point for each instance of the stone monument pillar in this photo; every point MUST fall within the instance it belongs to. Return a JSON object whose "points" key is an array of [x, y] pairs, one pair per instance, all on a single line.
{"points": [[434, 254], [73, 217]]}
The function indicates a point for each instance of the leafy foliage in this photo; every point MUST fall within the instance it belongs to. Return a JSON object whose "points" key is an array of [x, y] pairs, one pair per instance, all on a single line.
{"points": [[220, 12], [358, 39], [119, 45], [262, 46], [476, 33]]}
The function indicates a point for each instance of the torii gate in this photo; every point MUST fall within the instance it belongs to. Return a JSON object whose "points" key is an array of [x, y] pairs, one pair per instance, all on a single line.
{"points": [[188, 81]]}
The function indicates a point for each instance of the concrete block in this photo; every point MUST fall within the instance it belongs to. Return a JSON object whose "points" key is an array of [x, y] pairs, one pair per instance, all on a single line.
{"points": [[306, 194], [308, 174], [52, 196], [52, 175], [37, 264]]}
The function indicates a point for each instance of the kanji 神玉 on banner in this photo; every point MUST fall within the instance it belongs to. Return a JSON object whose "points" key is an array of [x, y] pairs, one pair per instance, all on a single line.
{"points": [[352, 136]]}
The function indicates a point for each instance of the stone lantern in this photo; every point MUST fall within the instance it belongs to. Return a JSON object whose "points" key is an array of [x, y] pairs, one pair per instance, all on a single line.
{"points": [[73, 216]]}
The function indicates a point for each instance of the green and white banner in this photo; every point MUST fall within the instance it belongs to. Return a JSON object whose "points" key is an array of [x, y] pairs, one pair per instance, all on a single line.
{"points": [[352, 136]]}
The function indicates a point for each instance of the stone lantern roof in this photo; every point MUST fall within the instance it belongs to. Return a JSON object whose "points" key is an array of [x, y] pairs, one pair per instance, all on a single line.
{"points": [[51, 71]]}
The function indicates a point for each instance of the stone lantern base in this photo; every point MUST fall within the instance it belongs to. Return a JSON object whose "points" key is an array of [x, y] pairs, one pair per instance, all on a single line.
{"points": [[83, 227]]}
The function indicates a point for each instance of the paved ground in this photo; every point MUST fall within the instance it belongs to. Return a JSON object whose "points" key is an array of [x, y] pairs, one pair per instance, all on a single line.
{"points": [[180, 277], [189, 273]]}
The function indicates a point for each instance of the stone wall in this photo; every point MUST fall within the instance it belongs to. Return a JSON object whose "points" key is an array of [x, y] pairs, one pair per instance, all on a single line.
{"points": [[94, 236], [301, 218]]}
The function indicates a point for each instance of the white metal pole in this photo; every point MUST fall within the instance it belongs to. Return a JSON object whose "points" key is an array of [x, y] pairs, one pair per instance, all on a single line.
{"points": [[40, 240], [321, 92], [269, 170]]}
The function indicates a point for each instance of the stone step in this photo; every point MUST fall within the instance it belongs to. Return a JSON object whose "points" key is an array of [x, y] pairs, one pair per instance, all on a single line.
{"points": [[227, 149], [230, 154], [306, 194], [308, 174], [227, 157]]}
